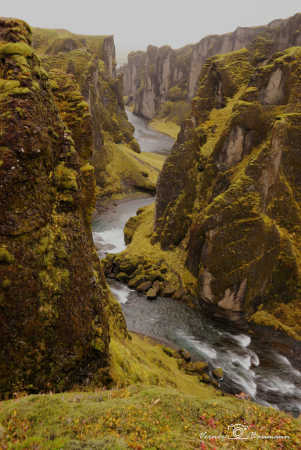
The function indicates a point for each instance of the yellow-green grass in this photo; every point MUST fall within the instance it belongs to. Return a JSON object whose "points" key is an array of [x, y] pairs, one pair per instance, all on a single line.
{"points": [[141, 360], [154, 159], [162, 408], [119, 170], [165, 127]]}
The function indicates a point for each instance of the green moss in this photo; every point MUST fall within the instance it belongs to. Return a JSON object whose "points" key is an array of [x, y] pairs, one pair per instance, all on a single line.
{"points": [[55, 280], [170, 113], [6, 283], [87, 168], [119, 169], [231, 184], [172, 414], [267, 319], [19, 48], [148, 262], [5, 256], [165, 127], [65, 177], [8, 85], [45, 204]]}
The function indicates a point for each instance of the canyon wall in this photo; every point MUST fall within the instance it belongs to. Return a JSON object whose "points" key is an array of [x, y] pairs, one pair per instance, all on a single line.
{"points": [[54, 302], [158, 81], [228, 197], [91, 61]]}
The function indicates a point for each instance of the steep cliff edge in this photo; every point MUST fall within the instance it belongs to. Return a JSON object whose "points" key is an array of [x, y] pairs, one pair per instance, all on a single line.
{"points": [[161, 81], [55, 308], [227, 224], [91, 61], [54, 302]]}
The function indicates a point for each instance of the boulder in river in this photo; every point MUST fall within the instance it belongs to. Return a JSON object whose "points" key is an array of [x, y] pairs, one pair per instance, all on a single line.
{"points": [[145, 286]]}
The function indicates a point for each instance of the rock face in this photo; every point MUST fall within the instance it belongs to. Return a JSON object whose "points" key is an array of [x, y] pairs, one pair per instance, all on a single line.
{"points": [[91, 61], [236, 199], [53, 297], [159, 80], [228, 197], [155, 76]]}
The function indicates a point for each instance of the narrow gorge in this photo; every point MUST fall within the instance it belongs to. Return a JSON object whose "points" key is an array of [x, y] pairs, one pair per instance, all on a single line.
{"points": [[150, 241], [160, 82]]}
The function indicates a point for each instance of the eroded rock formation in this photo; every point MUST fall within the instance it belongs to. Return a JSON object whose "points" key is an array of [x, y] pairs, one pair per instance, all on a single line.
{"points": [[159, 80], [228, 197], [241, 189], [91, 61], [54, 301]]}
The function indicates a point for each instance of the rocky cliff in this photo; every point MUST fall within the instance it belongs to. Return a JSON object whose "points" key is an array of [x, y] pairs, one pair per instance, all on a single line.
{"points": [[156, 76], [54, 302], [228, 198], [160, 81], [91, 61]]}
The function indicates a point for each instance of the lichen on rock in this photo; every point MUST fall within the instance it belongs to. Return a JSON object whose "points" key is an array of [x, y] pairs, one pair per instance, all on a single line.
{"points": [[228, 196], [88, 93], [54, 303], [160, 82]]}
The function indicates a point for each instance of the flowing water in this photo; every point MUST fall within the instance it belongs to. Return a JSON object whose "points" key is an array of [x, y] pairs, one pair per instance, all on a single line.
{"points": [[149, 140], [264, 365]]}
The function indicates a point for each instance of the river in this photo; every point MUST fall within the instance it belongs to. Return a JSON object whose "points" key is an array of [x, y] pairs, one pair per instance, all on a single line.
{"points": [[266, 366], [149, 140]]}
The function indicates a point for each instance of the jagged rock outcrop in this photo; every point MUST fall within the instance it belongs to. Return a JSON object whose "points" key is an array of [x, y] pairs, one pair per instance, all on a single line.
{"points": [[155, 76], [228, 197], [91, 60], [159, 80], [54, 301]]}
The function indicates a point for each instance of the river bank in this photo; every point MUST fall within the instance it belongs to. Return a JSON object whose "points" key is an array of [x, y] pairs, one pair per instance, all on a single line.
{"points": [[263, 365]]}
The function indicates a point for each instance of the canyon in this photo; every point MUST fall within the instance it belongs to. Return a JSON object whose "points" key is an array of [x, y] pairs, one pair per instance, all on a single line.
{"points": [[149, 288], [161, 81]]}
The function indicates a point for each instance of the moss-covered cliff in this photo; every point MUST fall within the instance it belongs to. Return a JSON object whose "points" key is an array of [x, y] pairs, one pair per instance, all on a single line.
{"points": [[89, 64], [228, 199], [157, 76], [54, 301], [161, 81], [56, 313]]}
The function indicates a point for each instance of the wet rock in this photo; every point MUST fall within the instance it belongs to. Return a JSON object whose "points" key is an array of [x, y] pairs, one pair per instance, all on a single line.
{"points": [[121, 276], [184, 354], [157, 285], [179, 294], [195, 368], [139, 279], [145, 286], [205, 378], [153, 292], [218, 373], [189, 300], [169, 351], [127, 266], [111, 275], [168, 291]]}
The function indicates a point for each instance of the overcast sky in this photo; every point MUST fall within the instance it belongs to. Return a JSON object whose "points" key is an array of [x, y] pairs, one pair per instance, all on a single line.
{"points": [[137, 23]]}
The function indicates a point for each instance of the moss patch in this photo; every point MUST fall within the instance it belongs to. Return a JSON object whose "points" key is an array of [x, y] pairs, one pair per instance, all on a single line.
{"points": [[164, 409], [166, 127]]}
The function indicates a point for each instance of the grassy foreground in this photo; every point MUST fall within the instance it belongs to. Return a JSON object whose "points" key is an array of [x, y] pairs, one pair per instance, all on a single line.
{"points": [[162, 408]]}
